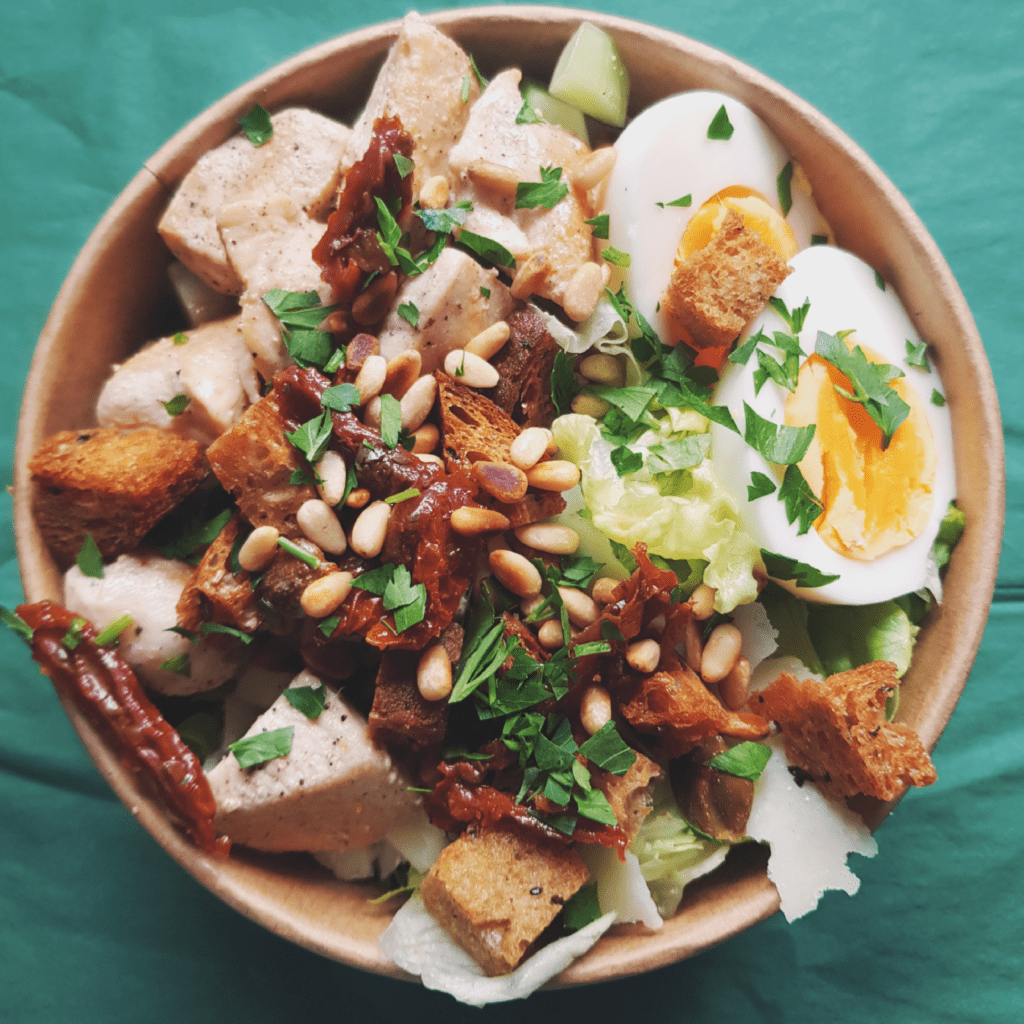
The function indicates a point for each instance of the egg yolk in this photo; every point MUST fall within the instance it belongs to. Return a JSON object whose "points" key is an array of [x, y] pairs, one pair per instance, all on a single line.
{"points": [[757, 213], [873, 500]]}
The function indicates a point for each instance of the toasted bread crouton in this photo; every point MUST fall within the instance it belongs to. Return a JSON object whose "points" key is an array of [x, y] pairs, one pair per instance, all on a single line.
{"points": [[496, 890], [532, 507], [115, 484], [254, 460], [715, 293], [303, 158], [400, 714], [473, 428], [836, 732], [334, 790], [216, 594], [524, 364], [630, 796]]}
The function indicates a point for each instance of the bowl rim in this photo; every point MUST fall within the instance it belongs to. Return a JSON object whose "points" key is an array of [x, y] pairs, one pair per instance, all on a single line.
{"points": [[751, 897]]}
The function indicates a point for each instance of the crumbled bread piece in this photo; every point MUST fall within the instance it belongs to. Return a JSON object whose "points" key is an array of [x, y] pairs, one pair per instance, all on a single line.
{"points": [[473, 428], [715, 293], [400, 714], [255, 461], [630, 796], [215, 593], [495, 891], [836, 732], [524, 364], [115, 484]]}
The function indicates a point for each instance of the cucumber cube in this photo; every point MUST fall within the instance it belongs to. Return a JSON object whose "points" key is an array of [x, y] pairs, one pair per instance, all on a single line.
{"points": [[556, 111], [590, 75]]}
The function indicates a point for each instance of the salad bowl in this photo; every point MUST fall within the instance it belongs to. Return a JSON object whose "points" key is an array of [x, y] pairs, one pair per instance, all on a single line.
{"points": [[116, 297]]}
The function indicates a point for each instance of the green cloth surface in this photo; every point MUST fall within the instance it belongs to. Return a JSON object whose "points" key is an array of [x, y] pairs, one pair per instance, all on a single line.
{"points": [[98, 924]]}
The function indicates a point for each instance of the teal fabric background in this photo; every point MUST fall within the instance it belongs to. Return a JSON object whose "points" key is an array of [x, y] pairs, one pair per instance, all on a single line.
{"points": [[97, 924]]}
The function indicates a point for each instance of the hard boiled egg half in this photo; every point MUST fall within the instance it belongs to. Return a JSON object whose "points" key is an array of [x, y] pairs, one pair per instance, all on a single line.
{"points": [[881, 507], [665, 157]]}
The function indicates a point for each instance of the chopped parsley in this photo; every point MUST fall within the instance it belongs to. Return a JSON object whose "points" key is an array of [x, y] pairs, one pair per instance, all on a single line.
{"points": [[819, 239], [340, 398], [390, 420], [721, 128], [113, 632], [445, 220], [781, 567], [90, 561], [527, 115], [408, 312], [256, 125], [745, 760], [778, 443], [678, 453], [177, 405], [264, 746], [393, 583], [802, 506], [313, 437], [879, 280], [546, 193], [301, 314], [328, 626], [615, 256], [598, 225], [937, 398], [681, 201], [180, 666], [73, 637], [626, 461], [917, 355], [784, 184], [760, 486], [310, 700], [206, 628], [487, 248], [403, 165], [485, 293], [180, 338], [564, 386]]}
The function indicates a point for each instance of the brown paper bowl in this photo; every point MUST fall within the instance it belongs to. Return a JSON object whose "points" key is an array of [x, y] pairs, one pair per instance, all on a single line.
{"points": [[116, 297]]}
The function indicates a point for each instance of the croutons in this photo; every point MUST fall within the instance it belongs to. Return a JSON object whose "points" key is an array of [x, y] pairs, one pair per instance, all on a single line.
{"points": [[255, 461], [496, 890], [524, 365], [715, 293], [836, 732], [115, 484], [473, 428], [630, 796]]}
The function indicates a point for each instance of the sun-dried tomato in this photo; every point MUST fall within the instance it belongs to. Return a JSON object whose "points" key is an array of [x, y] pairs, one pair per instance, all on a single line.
{"points": [[105, 690], [349, 252]]}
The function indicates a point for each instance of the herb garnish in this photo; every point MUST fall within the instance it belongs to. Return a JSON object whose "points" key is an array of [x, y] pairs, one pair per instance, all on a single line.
{"points": [[181, 666], [301, 314], [781, 567], [937, 398], [760, 486], [784, 184], [90, 561], [408, 312], [73, 637], [778, 443], [527, 115], [615, 256], [177, 405], [598, 225], [264, 746], [256, 125], [17, 623], [310, 700], [746, 760], [800, 501], [721, 128], [114, 630], [681, 201], [313, 437], [400, 595], [180, 338], [917, 355], [870, 383], [564, 386], [403, 165], [546, 193], [340, 398], [295, 551]]}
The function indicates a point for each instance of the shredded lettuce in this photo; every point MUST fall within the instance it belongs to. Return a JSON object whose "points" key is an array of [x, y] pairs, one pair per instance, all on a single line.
{"points": [[670, 853], [682, 515]]}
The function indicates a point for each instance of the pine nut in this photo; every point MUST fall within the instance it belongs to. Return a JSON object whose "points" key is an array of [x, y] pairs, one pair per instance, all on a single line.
{"points": [[318, 522], [551, 538], [530, 446], [503, 180], [589, 405], [403, 372], [500, 480], [371, 412], [333, 474], [432, 460], [594, 167], [357, 498], [326, 594], [644, 656], [418, 401], [720, 652], [580, 606], [603, 590], [369, 530], [489, 341], [530, 604], [582, 292], [692, 645], [702, 602], [549, 635], [470, 370], [530, 276], [434, 673], [373, 302], [735, 687], [472, 522], [359, 349], [555, 475], [435, 193], [259, 548], [602, 368], [426, 438], [595, 709], [371, 378], [515, 572]]}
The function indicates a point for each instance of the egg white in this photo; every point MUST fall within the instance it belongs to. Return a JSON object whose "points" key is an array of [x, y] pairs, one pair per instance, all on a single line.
{"points": [[844, 295], [665, 154]]}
